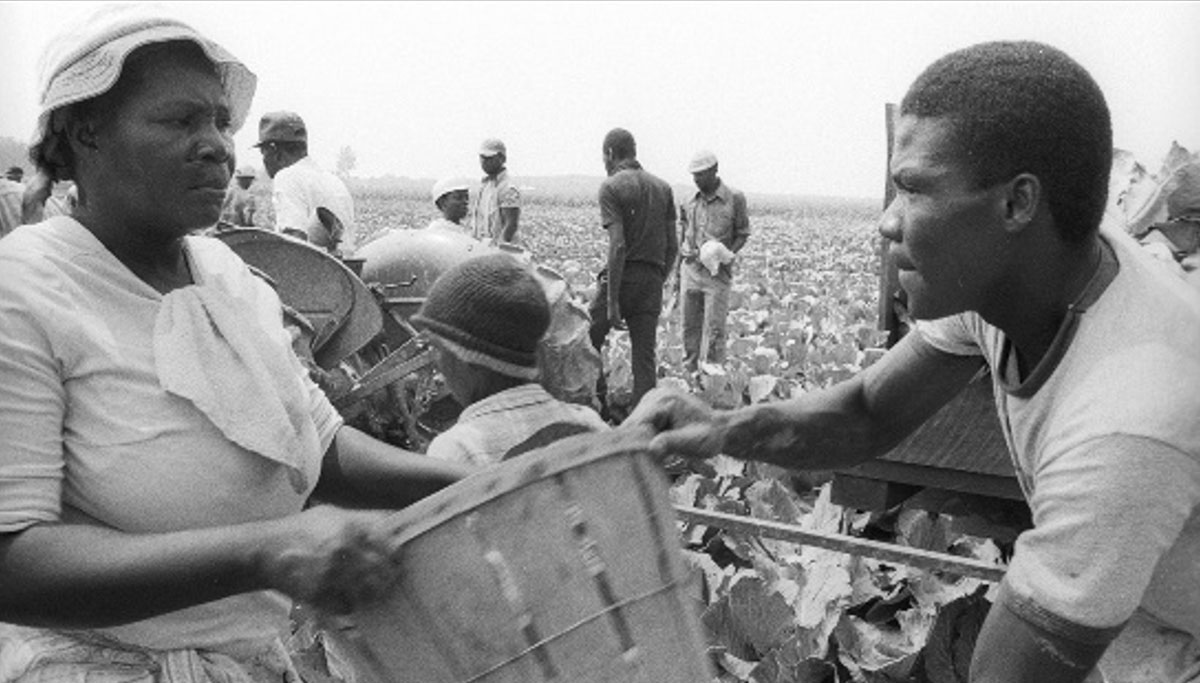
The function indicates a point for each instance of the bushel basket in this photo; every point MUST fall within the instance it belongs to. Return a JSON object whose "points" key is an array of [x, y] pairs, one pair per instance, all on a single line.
{"points": [[562, 564]]}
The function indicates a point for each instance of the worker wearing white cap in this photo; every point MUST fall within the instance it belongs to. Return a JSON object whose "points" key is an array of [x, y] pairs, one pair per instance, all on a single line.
{"points": [[240, 205], [715, 227], [497, 207], [451, 197]]}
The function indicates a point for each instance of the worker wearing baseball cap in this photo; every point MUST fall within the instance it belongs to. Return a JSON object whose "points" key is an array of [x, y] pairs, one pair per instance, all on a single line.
{"points": [[497, 207], [714, 226], [301, 186]]}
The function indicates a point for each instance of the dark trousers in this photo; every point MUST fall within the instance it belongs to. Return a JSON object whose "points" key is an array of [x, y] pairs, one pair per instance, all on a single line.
{"points": [[641, 302]]}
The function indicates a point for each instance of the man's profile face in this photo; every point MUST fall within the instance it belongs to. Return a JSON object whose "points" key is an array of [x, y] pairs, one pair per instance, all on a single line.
{"points": [[947, 236], [272, 158], [245, 182]]}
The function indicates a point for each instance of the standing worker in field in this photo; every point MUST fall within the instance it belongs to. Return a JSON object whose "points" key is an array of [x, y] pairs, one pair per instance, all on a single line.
{"points": [[1001, 161], [240, 204], [302, 188], [715, 226], [497, 206], [638, 211]]}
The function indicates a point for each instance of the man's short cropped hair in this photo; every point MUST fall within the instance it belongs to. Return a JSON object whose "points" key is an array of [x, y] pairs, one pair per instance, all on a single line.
{"points": [[621, 142], [1025, 107]]}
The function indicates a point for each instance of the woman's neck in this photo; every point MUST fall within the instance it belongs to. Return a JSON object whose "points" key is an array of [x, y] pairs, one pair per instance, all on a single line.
{"points": [[160, 263]]}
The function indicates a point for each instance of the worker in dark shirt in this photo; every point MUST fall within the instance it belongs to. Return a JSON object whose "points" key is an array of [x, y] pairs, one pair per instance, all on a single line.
{"points": [[638, 211]]}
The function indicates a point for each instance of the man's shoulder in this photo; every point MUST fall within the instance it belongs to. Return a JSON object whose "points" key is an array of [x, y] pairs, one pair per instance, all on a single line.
{"points": [[733, 193]]}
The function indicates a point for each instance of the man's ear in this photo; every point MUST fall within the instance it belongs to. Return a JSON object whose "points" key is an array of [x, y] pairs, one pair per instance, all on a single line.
{"points": [[1022, 200], [83, 134]]}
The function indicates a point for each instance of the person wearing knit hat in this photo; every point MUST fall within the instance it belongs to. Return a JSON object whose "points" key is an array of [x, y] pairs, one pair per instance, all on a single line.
{"points": [[486, 318], [162, 442], [451, 196]]}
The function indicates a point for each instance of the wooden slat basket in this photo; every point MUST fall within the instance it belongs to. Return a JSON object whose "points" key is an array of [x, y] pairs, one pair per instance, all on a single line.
{"points": [[563, 564]]}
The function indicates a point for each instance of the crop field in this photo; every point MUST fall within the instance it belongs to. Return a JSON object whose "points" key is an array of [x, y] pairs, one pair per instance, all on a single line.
{"points": [[802, 316]]}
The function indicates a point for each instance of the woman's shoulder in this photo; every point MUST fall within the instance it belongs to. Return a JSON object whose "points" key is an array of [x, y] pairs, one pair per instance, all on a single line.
{"points": [[43, 251]]}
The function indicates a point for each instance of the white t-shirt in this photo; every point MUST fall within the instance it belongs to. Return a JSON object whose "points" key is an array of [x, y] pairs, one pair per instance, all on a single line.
{"points": [[299, 189], [86, 426], [1105, 439]]}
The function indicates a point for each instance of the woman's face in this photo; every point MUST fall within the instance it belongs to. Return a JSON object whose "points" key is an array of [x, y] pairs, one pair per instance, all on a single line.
{"points": [[161, 158]]}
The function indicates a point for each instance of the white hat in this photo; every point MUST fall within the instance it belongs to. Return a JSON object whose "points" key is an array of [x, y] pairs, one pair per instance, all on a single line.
{"points": [[246, 171], [448, 185], [85, 59], [703, 161]]}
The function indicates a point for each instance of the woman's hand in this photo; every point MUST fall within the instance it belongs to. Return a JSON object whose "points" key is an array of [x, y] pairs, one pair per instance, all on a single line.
{"points": [[333, 559]]}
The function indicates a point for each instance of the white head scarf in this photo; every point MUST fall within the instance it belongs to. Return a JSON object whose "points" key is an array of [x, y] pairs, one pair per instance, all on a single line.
{"points": [[85, 59]]}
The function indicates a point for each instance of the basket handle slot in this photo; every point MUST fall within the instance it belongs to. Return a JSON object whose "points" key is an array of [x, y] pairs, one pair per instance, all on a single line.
{"points": [[507, 582]]}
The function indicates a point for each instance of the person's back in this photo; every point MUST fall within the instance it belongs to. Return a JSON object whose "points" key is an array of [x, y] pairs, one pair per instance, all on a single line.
{"points": [[304, 186], [644, 204]]}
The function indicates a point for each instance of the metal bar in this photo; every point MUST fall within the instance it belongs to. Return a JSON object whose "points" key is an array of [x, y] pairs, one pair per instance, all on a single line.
{"points": [[913, 557], [387, 371]]}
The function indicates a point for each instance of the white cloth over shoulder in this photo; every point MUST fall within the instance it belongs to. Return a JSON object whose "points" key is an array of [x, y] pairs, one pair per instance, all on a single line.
{"points": [[207, 351]]}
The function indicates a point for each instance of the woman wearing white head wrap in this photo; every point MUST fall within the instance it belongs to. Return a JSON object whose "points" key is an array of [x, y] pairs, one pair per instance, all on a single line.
{"points": [[160, 438]]}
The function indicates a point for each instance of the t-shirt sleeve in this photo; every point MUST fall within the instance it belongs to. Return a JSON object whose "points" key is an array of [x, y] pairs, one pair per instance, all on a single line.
{"points": [[610, 207], [32, 410], [448, 446], [951, 335], [1104, 514], [291, 211], [509, 197]]}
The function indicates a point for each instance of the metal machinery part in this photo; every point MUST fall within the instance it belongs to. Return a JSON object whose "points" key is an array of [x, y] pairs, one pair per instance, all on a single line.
{"points": [[352, 318]]}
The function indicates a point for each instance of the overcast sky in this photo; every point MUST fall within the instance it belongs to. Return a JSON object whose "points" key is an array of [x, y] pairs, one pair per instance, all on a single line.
{"points": [[790, 95]]}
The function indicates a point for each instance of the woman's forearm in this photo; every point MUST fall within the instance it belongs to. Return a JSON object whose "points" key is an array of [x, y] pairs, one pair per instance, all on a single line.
{"points": [[76, 576], [362, 471]]}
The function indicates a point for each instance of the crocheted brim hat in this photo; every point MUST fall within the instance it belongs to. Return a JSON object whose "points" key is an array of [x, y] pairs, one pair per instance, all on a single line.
{"points": [[85, 59], [490, 311]]}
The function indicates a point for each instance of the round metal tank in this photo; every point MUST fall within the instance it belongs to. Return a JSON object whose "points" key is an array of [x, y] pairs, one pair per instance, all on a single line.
{"points": [[403, 264]]}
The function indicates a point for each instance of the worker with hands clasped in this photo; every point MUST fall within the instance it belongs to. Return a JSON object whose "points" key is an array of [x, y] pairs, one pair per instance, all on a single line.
{"points": [[1001, 158]]}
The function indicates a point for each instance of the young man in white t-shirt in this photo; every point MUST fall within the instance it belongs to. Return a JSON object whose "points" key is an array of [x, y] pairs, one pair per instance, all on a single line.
{"points": [[1001, 159]]}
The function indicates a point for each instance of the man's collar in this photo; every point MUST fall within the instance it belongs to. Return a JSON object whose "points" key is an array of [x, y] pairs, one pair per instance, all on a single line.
{"points": [[722, 193], [627, 164], [499, 174]]}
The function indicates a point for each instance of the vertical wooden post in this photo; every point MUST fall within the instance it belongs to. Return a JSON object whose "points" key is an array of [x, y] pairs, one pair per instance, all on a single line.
{"points": [[889, 279]]}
